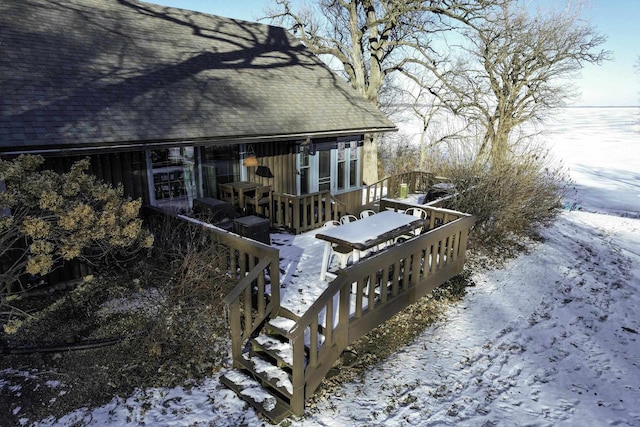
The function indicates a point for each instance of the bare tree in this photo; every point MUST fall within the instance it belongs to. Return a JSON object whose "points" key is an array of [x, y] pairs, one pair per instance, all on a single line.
{"points": [[514, 68], [369, 40]]}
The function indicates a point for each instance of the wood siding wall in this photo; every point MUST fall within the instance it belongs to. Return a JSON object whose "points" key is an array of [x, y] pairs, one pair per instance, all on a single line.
{"points": [[126, 168], [281, 159]]}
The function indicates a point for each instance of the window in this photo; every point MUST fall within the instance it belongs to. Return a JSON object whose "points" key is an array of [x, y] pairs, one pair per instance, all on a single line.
{"points": [[348, 165], [324, 170], [305, 172], [179, 175], [173, 177], [330, 166], [220, 165]]}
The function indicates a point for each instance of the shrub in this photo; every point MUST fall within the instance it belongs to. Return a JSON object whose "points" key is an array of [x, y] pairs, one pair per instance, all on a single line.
{"points": [[47, 218], [510, 200], [191, 330]]}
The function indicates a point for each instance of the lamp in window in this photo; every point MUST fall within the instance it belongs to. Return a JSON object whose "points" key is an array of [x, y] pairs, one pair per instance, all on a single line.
{"points": [[250, 159]]}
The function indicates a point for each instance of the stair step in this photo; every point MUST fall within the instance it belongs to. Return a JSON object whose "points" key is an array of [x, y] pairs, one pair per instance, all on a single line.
{"points": [[253, 393], [281, 325], [273, 376], [281, 351]]}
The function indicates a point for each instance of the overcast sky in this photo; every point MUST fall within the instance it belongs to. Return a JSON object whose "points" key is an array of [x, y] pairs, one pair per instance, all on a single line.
{"points": [[615, 83]]}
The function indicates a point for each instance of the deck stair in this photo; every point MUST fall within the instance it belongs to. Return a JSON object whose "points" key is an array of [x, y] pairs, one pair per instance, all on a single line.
{"points": [[264, 378]]}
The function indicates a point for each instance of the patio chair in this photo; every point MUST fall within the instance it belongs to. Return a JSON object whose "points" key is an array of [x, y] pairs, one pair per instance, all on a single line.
{"points": [[348, 218], [259, 200], [367, 212], [332, 223], [342, 253], [419, 213]]}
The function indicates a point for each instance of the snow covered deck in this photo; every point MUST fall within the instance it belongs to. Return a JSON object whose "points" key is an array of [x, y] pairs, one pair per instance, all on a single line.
{"points": [[300, 264]]}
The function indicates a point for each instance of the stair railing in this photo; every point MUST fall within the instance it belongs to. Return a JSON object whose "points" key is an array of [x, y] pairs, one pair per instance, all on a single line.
{"points": [[247, 307], [256, 296], [368, 293]]}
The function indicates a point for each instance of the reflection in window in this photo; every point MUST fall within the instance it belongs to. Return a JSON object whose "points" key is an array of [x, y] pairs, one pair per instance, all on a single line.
{"points": [[324, 170], [220, 165], [174, 177], [305, 172], [347, 165], [353, 164]]}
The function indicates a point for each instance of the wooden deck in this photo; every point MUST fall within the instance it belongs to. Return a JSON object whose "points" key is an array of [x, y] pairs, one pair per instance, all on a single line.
{"points": [[288, 327]]}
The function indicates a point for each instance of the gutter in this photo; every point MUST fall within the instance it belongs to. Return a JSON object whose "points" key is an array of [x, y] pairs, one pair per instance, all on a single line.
{"points": [[123, 146]]}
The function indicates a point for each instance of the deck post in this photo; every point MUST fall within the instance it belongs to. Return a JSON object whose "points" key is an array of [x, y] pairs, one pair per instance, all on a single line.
{"points": [[298, 380], [236, 332]]}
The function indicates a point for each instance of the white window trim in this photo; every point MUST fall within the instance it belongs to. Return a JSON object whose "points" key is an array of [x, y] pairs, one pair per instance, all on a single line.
{"points": [[314, 171], [334, 167]]}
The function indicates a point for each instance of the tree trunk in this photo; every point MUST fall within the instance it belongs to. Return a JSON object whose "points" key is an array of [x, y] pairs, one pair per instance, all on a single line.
{"points": [[370, 159]]}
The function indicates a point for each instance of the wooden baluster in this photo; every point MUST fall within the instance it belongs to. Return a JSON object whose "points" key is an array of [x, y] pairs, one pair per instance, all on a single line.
{"points": [[396, 279], [371, 290], [313, 343], [248, 320], [384, 284], [328, 324], [236, 331]]}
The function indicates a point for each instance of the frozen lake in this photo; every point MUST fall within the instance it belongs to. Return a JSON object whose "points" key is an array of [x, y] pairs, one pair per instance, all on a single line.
{"points": [[601, 149], [599, 146]]}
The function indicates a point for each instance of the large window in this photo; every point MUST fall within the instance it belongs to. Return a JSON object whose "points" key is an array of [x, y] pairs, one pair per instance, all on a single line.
{"points": [[329, 166], [220, 165], [305, 172], [174, 177], [181, 174], [348, 165]]}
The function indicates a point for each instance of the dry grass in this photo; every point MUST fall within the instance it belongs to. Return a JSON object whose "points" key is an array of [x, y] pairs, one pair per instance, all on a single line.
{"points": [[168, 310]]}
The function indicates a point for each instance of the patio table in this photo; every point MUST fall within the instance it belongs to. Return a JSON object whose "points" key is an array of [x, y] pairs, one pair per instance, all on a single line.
{"points": [[240, 188], [366, 233]]}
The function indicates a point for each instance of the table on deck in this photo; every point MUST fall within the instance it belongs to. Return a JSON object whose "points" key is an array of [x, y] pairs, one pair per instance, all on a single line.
{"points": [[240, 188], [366, 233]]}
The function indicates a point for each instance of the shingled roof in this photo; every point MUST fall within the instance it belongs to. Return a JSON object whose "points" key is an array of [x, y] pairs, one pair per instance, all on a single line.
{"points": [[78, 74]]}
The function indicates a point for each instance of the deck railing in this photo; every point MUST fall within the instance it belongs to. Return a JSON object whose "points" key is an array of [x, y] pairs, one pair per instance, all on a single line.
{"points": [[255, 268], [417, 182], [369, 292], [303, 213]]}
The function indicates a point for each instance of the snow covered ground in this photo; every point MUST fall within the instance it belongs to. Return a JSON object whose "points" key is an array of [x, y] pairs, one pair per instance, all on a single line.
{"points": [[553, 339]]}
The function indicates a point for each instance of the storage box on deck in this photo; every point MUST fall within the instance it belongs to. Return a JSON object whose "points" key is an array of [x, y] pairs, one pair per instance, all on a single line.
{"points": [[404, 191], [216, 212], [253, 227]]}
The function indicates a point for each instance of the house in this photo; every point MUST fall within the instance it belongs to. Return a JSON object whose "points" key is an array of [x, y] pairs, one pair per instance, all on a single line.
{"points": [[169, 102], [175, 106]]}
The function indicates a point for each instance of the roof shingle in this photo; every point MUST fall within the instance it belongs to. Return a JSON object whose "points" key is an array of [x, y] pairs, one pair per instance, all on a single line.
{"points": [[100, 72]]}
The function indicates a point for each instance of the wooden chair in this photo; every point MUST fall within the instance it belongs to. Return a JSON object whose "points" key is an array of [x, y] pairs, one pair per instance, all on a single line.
{"points": [[259, 200], [227, 194]]}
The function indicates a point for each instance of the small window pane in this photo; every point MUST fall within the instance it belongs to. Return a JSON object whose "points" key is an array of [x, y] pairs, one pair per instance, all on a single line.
{"points": [[353, 173], [304, 180], [342, 175], [341, 152]]}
